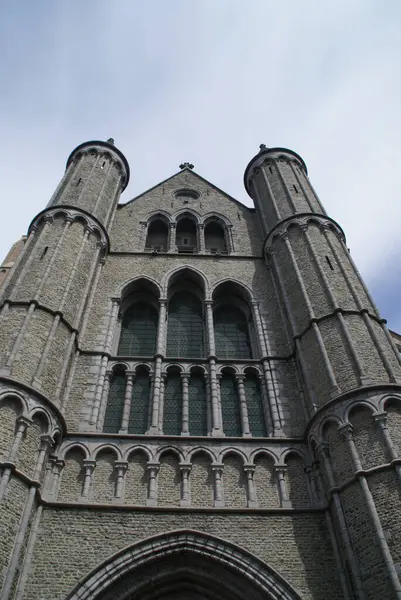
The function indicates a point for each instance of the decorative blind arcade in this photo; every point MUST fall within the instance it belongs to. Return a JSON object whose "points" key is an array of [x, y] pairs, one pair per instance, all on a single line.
{"points": [[231, 333], [138, 331], [185, 326]]}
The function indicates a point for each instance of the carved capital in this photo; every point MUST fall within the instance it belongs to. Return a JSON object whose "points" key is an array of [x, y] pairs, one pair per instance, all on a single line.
{"points": [[380, 418], [89, 466], [217, 468], [185, 467], [121, 466], [346, 431]]}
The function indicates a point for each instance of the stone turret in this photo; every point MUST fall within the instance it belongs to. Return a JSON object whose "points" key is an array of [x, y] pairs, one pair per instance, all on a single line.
{"points": [[45, 294], [349, 365]]}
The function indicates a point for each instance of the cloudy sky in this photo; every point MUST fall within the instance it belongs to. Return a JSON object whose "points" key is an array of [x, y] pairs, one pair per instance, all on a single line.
{"points": [[207, 81]]}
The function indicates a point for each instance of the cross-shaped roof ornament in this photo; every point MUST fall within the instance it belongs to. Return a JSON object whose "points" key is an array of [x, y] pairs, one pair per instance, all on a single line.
{"points": [[262, 147], [186, 165]]}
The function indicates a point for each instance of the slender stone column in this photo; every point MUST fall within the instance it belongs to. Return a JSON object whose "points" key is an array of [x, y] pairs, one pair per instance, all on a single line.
{"points": [[201, 238], [185, 469], [160, 348], [121, 469], [185, 403], [105, 396], [89, 467], [208, 404], [281, 471], [217, 429], [161, 401], [217, 470], [153, 469], [266, 406], [243, 406], [346, 430], [129, 381], [249, 472], [171, 239], [58, 467]]}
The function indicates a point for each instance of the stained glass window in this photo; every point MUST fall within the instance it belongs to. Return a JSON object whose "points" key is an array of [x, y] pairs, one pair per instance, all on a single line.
{"points": [[256, 417], [115, 404], [138, 331], [172, 404], [230, 406], [197, 405], [185, 326], [231, 333], [138, 418]]}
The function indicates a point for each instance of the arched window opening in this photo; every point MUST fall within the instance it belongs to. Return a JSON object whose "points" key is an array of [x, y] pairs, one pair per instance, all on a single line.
{"points": [[172, 403], [138, 330], [231, 332], [186, 238], [197, 404], [215, 239], [185, 326], [138, 418], [157, 237], [256, 416], [230, 406], [115, 403]]}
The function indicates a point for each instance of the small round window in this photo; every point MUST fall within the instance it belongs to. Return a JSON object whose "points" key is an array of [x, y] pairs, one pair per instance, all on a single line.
{"points": [[187, 194]]}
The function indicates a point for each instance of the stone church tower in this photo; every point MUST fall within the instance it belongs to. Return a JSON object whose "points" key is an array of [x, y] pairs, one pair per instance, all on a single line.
{"points": [[198, 400]]}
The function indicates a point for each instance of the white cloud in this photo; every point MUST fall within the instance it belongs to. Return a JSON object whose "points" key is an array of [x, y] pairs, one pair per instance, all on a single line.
{"points": [[208, 82]]}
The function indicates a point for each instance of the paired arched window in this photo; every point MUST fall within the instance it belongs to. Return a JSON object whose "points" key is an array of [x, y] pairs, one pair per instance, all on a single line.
{"points": [[186, 235], [138, 330], [185, 326], [136, 404]]}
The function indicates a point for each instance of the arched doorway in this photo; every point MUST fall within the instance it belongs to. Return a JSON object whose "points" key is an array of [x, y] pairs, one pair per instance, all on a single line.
{"points": [[184, 565]]}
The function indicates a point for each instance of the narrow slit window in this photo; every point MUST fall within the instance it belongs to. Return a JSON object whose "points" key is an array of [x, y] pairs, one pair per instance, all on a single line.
{"points": [[271, 170], [79, 181], [329, 263], [103, 164], [44, 252], [295, 188]]}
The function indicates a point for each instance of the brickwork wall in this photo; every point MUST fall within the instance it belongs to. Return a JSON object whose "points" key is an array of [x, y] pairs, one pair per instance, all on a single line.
{"points": [[235, 494], [72, 477], [339, 354], [266, 482], [136, 479], [373, 571], [8, 415], [339, 454], [104, 478], [367, 352], [297, 546], [169, 482], [11, 257], [11, 509], [201, 481], [297, 483], [10, 324], [367, 438], [385, 489]]}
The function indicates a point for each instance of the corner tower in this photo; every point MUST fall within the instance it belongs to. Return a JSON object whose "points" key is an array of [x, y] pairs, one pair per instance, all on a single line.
{"points": [[348, 362]]}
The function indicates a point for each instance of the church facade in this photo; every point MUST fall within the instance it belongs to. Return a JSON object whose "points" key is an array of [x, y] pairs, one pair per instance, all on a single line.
{"points": [[198, 399]]}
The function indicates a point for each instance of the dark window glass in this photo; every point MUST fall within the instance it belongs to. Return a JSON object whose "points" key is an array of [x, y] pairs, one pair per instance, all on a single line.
{"points": [[138, 331], [230, 406], [185, 326], [138, 418], [115, 404], [172, 405], [197, 405], [231, 333], [255, 408]]}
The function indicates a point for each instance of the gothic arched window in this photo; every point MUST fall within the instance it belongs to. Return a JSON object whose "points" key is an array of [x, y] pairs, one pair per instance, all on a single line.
{"points": [[197, 404], [230, 406], [157, 236], [231, 333], [185, 326], [254, 404], [139, 412], [138, 330], [215, 239], [115, 403], [172, 403]]}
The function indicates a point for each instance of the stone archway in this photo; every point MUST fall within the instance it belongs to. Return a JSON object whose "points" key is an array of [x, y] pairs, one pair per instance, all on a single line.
{"points": [[184, 565]]}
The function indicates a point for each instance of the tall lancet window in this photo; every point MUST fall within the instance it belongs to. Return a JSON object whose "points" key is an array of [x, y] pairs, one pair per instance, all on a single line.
{"points": [[231, 333], [215, 238], [115, 403], [138, 330], [253, 395], [139, 412], [185, 326], [157, 236], [172, 403], [230, 405]]}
